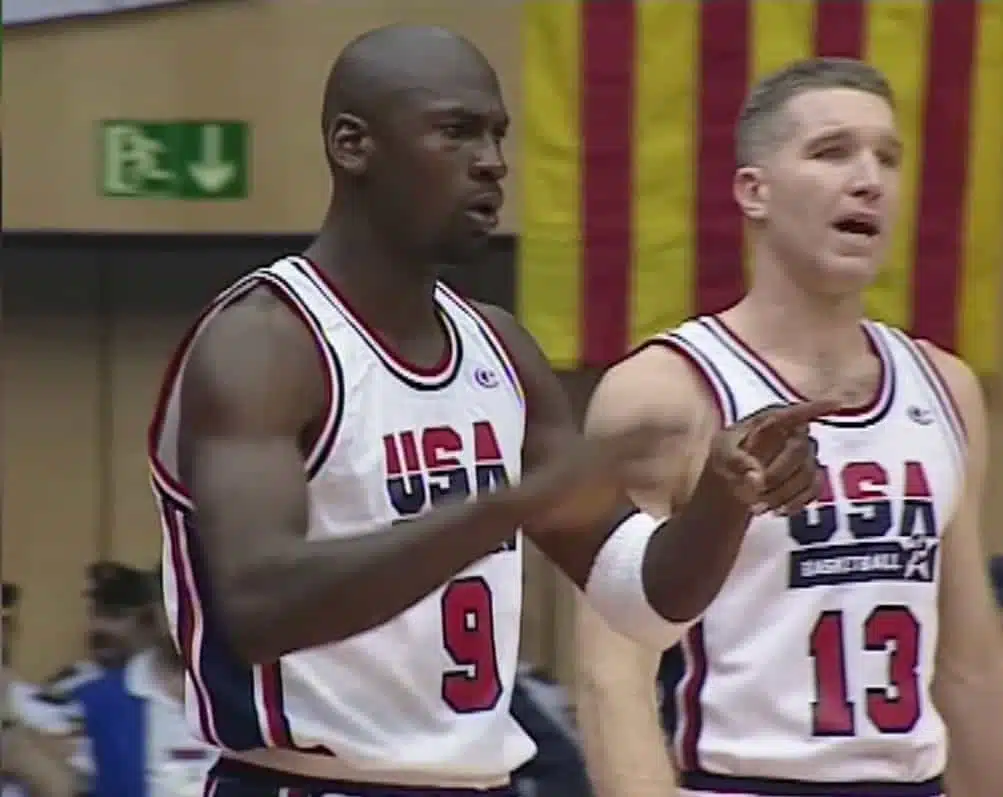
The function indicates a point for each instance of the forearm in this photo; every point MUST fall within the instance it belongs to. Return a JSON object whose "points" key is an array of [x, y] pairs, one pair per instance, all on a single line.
{"points": [[627, 753], [973, 717], [691, 554], [625, 748], [313, 593]]}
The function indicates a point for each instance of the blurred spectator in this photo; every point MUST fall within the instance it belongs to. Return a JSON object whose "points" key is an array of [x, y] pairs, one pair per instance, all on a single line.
{"points": [[118, 605], [134, 721], [26, 766], [23, 702]]}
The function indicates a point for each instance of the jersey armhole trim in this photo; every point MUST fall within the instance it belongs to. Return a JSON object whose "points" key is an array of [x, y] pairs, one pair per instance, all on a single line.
{"points": [[494, 339], [163, 480], [724, 399], [334, 387], [931, 373]]}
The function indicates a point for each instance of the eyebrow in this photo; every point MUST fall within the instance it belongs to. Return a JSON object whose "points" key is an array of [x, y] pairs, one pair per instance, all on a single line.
{"points": [[841, 133], [448, 109]]}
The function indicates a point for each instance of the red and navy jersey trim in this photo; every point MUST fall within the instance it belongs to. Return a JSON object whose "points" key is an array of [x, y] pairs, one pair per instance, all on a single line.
{"points": [[322, 446], [867, 414], [492, 338], [720, 391], [238, 707], [436, 377]]}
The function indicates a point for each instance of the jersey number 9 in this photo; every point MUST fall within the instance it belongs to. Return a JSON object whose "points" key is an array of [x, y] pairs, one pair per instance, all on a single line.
{"points": [[468, 634]]}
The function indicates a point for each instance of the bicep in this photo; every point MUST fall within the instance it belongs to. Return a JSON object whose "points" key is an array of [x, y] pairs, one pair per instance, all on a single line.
{"points": [[654, 388], [240, 444]]}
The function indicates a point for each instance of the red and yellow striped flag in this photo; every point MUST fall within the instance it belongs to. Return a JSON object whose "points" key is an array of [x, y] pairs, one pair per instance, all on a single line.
{"points": [[628, 222]]}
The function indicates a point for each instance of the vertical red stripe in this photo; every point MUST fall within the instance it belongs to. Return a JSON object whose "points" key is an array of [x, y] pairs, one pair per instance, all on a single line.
{"points": [[724, 74], [607, 127], [840, 26], [271, 693], [939, 252]]}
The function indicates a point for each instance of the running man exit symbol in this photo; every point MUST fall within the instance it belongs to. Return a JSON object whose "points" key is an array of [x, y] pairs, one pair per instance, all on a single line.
{"points": [[193, 160]]}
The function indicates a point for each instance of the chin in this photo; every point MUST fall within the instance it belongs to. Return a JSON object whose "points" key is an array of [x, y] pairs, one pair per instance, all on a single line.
{"points": [[464, 252], [841, 274]]}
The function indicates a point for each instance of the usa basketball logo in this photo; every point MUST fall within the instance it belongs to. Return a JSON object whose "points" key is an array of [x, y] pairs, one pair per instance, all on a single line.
{"points": [[856, 533]]}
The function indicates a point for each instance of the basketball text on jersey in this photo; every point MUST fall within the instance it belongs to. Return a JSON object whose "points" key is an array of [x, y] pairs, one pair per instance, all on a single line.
{"points": [[874, 521]]}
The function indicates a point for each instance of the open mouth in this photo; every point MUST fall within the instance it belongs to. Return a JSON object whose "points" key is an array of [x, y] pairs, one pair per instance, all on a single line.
{"points": [[483, 211], [858, 225]]}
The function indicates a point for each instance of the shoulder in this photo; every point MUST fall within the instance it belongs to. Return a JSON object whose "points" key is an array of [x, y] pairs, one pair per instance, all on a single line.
{"points": [[516, 338], [656, 384], [261, 318], [966, 392], [239, 357], [527, 356]]}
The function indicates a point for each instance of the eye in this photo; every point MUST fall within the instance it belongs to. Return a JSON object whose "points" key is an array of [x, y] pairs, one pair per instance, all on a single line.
{"points": [[831, 152], [890, 159]]}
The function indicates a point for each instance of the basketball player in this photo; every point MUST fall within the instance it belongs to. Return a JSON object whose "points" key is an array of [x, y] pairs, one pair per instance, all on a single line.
{"points": [[347, 614], [850, 632]]}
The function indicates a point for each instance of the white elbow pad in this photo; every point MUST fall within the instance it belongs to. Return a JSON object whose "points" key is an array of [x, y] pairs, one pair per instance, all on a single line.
{"points": [[616, 591]]}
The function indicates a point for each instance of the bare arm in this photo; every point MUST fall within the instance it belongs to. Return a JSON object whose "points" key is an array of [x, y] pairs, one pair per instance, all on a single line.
{"points": [[688, 558], [968, 682], [625, 745], [241, 454]]}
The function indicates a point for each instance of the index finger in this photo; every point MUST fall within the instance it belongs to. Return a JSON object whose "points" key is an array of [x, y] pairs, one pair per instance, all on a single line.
{"points": [[795, 415]]}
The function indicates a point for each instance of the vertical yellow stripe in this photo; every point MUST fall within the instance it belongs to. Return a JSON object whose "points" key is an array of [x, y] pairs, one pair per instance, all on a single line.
{"points": [[782, 31], [664, 165], [983, 243], [897, 45], [549, 277]]}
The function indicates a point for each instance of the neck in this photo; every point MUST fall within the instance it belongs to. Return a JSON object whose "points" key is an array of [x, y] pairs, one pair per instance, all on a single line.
{"points": [[783, 320], [368, 269]]}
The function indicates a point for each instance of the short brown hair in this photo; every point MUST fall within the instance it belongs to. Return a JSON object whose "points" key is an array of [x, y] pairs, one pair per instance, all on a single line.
{"points": [[757, 128]]}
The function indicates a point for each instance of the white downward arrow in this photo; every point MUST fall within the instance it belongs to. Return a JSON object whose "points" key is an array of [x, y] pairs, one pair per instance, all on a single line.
{"points": [[212, 173]]}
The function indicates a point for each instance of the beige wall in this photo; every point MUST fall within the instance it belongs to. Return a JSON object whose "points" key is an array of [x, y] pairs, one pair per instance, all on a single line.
{"points": [[258, 60]]}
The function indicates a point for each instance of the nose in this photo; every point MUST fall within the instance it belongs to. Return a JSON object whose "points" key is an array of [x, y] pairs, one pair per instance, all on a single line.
{"points": [[489, 162], [867, 177]]}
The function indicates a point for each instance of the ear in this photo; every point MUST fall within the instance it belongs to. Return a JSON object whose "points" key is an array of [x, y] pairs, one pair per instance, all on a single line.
{"points": [[751, 192], [348, 143]]}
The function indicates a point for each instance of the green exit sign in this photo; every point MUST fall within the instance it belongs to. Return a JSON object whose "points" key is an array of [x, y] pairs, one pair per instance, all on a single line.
{"points": [[195, 160]]}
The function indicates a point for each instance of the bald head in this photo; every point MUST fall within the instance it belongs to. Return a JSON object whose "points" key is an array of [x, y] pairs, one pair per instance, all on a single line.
{"points": [[396, 59]]}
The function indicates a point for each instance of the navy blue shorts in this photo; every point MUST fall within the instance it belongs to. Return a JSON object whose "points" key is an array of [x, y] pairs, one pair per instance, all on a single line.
{"points": [[230, 778]]}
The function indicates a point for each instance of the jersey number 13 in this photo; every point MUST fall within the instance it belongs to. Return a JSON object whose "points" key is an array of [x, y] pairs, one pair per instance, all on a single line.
{"points": [[891, 708]]}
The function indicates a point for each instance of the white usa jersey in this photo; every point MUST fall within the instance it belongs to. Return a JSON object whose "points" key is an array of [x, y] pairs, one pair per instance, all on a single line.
{"points": [[814, 663], [428, 692]]}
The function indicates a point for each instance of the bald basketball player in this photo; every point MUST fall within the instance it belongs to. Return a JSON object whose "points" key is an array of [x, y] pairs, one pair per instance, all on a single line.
{"points": [[850, 632], [347, 450]]}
